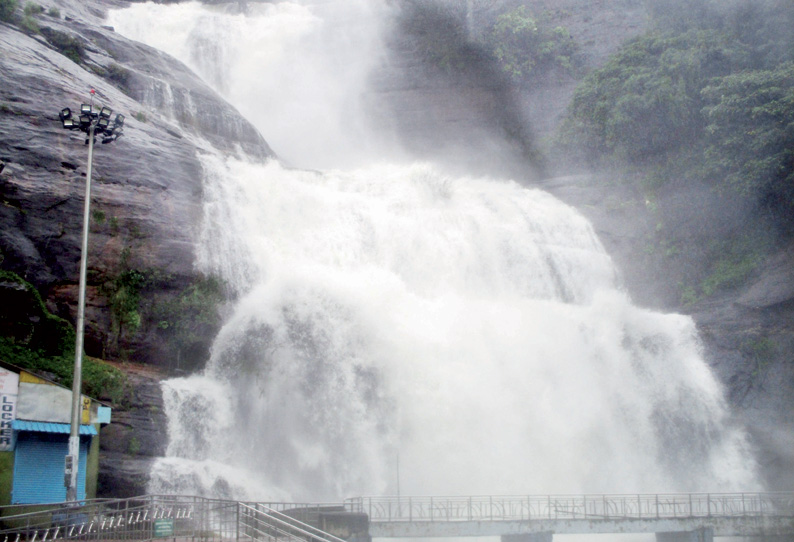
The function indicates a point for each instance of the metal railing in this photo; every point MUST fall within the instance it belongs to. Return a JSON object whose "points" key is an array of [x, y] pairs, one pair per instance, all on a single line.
{"points": [[139, 518], [210, 520], [613, 507], [164, 517], [260, 522]]}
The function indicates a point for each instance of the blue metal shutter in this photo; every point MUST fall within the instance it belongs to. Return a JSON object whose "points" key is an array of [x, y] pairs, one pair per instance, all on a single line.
{"points": [[38, 468]]}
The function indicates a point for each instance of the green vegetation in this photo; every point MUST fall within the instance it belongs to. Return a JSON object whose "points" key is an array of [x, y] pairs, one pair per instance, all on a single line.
{"points": [[41, 342], [54, 12], [28, 22], [134, 446], [644, 106], [119, 75], [7, 9], [189, 319], [148, 301], [124, 294], [749, 143], [733, 262], [29, 25], [705, 99], [524, 44], [69, 46], [140, 116], [32, 9]]}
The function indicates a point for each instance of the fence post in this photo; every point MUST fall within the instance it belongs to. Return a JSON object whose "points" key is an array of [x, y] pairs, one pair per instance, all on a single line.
{"points": [[744, 510]]}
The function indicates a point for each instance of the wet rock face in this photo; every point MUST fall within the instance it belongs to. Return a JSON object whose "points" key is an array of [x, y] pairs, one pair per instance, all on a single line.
{"points": [[136, 438], [146, 193], [146, 189]]}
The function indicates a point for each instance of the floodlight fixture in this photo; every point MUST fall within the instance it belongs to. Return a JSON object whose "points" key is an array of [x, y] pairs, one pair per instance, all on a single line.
{"points": [[102, 124], [86, 109], [105, 112], [65, 114], [119, 122], [85, 122]]}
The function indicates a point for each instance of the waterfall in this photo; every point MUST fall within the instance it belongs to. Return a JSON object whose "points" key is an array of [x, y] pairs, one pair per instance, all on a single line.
{"points": [[399, 327]]}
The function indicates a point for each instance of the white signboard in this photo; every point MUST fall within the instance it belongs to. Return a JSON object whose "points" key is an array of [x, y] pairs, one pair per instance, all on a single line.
{"points": [[9, 388]]}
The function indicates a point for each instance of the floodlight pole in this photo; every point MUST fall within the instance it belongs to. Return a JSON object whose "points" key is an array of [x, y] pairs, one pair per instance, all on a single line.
{"points": [[91, 123], [74, 434]]}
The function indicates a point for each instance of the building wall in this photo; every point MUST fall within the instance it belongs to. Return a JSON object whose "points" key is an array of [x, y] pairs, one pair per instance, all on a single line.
{"points": [[6, 477], [24, 396], [92, 467]]}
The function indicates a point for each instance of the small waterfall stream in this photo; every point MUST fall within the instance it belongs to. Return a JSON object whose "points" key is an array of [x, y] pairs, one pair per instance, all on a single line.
{"points": [[397, 327]]}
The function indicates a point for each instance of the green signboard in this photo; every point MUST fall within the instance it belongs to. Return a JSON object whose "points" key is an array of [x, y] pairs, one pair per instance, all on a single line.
{"points": [[163, 527]]}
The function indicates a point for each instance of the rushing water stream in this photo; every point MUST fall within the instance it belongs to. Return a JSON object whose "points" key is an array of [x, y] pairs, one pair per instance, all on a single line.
{"points": [[400, 329]]}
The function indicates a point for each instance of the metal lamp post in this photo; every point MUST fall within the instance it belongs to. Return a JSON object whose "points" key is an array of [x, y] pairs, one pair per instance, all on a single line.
{"points": [[92, 121]]}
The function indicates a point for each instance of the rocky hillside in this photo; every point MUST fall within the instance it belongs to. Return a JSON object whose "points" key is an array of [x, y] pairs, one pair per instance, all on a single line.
{"points": [[146, 203]]}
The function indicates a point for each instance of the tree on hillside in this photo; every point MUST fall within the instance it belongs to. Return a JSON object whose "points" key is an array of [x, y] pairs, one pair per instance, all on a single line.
{"points": [[750, 135], [645, 105], [524, 44]]}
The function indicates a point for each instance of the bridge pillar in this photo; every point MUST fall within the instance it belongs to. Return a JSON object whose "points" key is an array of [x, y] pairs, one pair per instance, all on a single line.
{"points": [[529, 537], [704, 534]]}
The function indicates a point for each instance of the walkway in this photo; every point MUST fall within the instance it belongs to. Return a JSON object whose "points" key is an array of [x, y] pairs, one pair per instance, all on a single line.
{"points": [[724, 514]]}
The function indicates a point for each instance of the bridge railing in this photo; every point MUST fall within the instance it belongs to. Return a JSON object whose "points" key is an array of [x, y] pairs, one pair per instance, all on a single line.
{"points": [[259, 522], [520, 508]]}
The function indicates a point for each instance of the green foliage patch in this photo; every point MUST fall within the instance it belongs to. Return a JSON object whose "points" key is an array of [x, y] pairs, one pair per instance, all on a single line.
{"points": [[188, 319], [119, 75], [7, 9], [32, 9], [644, 106], [45, 344], [750, 134], [525, 44], [68, 45], [705, 99], [124, 294]]}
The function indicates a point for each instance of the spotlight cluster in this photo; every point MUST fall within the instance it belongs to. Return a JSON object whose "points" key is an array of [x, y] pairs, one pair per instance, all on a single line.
{"points": [[90, 118]]}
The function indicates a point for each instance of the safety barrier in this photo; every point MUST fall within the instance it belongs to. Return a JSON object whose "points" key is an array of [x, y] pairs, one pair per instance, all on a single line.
{"points": [[158, 517], [560, 507]]}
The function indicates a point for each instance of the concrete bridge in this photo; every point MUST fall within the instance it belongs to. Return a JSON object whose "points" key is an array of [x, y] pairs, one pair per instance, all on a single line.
{"points": [[695, 517]]}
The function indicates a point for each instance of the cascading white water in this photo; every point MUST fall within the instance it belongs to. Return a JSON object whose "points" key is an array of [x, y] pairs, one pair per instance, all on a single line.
{"points": [[398, 328]]}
